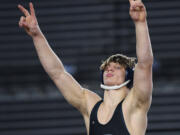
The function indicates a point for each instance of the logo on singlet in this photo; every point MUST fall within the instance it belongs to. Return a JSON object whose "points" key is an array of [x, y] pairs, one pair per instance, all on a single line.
{"points": [[93, 122]]}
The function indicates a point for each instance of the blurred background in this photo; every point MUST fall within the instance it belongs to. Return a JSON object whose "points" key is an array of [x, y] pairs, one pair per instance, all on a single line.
{"points": [[83, 33]]}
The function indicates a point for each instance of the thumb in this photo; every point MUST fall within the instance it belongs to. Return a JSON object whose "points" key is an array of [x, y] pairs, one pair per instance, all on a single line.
{"points": [[24, 24]]}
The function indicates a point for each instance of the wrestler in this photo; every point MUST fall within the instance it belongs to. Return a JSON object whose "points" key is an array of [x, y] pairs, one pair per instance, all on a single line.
{"points": [[123, 109]]}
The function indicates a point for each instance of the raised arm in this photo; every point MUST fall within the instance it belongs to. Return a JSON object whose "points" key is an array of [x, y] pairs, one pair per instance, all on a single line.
{"points": [[142, 88], [71, 90]]}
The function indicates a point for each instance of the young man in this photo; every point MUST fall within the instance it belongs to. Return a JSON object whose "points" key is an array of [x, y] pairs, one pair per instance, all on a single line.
{"points": [[122, 111]]}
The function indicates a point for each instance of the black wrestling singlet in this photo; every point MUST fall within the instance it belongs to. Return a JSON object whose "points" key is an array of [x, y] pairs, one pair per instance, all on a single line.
{"points": [[116, 126]]}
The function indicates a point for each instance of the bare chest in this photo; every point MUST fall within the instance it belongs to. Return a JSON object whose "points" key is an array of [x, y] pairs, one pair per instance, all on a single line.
{"points": [[105, 115]]}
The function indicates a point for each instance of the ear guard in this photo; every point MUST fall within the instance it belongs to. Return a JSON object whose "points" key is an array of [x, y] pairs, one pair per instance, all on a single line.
{"points": [[129, 76]]}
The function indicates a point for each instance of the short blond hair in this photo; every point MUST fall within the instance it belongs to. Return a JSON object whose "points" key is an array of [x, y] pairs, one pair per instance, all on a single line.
{"points": [[121, 59]]}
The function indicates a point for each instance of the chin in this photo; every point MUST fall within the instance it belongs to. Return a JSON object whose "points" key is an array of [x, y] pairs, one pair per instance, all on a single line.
{"points": [[109, 83]]}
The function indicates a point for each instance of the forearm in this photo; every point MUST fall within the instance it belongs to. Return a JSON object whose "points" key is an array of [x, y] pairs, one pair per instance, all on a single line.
{"points": [[143, 43], [48, 58]]}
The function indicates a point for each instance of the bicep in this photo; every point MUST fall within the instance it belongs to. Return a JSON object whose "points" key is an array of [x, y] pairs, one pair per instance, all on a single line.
{"points": [[70, 89], [142, 86]]}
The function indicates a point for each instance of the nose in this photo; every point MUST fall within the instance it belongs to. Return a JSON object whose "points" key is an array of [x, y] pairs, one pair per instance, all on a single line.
{"points": [[110, 68]]}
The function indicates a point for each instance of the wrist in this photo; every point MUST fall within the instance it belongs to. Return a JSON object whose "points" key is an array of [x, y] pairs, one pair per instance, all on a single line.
{"points": [[137, 23], [38, 35]]}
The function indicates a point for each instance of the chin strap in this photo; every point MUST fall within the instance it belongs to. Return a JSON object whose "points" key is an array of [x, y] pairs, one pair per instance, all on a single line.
{"points": [[105, 87]]}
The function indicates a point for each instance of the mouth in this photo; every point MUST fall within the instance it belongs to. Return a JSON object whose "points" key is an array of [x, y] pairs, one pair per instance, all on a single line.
{"points": [[109, 75]]}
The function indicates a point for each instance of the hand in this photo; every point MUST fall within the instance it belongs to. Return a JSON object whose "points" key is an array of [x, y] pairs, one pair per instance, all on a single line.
{"points": [[137, 11], [29, 21]]}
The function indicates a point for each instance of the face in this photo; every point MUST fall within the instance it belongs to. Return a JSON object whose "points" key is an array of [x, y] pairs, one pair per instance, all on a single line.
{"points": [[114, 74]]}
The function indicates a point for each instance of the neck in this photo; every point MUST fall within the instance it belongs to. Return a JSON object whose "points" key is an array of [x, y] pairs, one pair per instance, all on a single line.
{"points": [[113, 97]]}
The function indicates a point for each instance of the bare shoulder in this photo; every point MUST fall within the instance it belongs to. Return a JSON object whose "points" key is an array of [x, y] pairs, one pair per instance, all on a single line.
{"points": [[91, 99]]}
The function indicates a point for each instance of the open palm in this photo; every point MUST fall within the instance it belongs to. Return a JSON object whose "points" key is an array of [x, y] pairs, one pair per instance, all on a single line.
{"points": [[29, 21], [137, 11]]}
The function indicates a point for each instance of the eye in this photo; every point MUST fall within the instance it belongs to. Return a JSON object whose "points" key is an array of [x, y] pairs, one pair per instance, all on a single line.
{"points": [[118, 67], [106, 68]]}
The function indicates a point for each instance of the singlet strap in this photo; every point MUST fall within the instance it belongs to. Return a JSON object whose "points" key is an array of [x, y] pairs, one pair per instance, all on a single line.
{"points": [[94, 110]]}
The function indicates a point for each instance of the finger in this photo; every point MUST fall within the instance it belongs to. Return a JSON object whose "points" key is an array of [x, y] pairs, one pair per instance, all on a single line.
{"points": [[20, 24], [137, 6], [25, 11], [32, 9], [22, 19], [23, 24], [133, 1]]}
